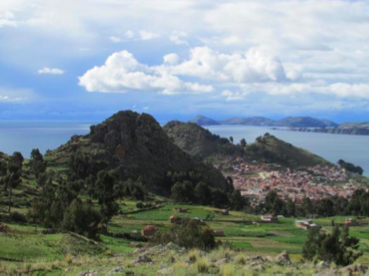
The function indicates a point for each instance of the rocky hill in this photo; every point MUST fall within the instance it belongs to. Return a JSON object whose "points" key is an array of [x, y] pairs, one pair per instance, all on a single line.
{"points": [[270, 149], [135, 146], [202, 144], [304, 122], [202, 120], [293, 122], [199, 142]]}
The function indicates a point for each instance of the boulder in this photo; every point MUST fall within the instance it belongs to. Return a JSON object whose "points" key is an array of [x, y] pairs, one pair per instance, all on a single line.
{"points": [[283, 258], [116, 270], [142, 259], [172, 246]]}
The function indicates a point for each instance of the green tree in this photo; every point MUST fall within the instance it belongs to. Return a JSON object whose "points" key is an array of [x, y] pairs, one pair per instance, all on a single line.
{"points": [[183, 192], [14, 175], [312, 244], [237, 202], [335, 247], [219, 198], [106, 190], [37, 163], [243, 143], [202, 193]]}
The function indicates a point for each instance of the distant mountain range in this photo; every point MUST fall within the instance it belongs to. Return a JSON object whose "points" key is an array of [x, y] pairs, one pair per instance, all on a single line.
{"points": [[295, 122]]}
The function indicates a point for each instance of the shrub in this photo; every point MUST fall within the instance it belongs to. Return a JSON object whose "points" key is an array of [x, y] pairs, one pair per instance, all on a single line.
{"points": [[18, 217], [190, 235], [227, 270], [202, 265], [193, 255]]}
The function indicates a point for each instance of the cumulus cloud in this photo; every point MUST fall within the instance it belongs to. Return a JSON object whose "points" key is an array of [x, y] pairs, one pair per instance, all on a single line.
{"points": [[337, 90], [171, 59], [53, 71], [7, 19], [179, 38], [122, 72], [250, 66], [146, 35]]}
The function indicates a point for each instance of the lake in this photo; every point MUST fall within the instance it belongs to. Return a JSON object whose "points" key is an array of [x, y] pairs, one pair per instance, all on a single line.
{"points": [[24, 136]]}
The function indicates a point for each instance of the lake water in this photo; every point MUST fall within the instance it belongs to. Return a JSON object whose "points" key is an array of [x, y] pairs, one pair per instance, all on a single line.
{"points": [[24, 136]]}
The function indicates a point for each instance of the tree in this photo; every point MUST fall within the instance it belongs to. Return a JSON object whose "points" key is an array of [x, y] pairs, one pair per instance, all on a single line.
{"points": [[243, 143], [231, 139], [202, 193], [219, 198], [312, 243], [81, 218], [306, 206], [37, 163], [237, 202], [106, 191], [183, 192], [14, 174], [335, 247]]}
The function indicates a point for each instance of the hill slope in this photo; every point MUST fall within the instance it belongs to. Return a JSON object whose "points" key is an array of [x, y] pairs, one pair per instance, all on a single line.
{"points": [[202, 144], [199, 142], [254, 121], [202, 120], [135, 146], [269, 148]]}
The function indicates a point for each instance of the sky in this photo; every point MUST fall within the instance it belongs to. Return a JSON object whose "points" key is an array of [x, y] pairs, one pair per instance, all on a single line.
{"points": [[87, 59]]}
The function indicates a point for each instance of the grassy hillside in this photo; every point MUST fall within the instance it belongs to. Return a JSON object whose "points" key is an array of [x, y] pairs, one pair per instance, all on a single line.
{"points": [[271, 149], [25, 251]]}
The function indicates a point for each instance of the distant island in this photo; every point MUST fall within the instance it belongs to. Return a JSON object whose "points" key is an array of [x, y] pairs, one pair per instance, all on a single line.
{"points": [[302, 124]]}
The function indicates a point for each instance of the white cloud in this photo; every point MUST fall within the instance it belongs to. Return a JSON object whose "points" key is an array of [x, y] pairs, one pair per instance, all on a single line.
{"points": [[122, 72], [251, 66], [146, 108], [129, 34], [116, 39], [179, 38], [171, 59], [146, 35], [53, 71]]}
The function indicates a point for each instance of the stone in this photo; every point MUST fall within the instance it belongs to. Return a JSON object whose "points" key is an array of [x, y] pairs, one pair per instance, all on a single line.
{"points": [[283, 258], [172, 246], [165, 271], [116, 270], [88, 273], [142, 259], [222, 261]]}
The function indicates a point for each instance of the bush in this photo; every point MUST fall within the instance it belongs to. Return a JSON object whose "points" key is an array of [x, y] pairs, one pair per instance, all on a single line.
{"points": [[18, 217], [203, 265], [189, 235]]}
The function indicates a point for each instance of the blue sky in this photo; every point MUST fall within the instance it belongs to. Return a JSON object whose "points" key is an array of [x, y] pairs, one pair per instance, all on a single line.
{"points": [[85, 60]]}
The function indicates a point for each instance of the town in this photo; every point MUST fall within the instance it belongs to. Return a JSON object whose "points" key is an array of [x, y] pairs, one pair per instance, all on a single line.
{"points": [[256, 179]]}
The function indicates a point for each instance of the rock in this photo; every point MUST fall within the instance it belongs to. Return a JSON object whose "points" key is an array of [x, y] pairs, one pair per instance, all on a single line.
{"points": [[322, 265], [222, 261], [116, 270], [88, 273], [283, 258], [139, 251], [355, 270], [256, 259], [142, 259], [172, 246], [165, 271], [255, 266]]}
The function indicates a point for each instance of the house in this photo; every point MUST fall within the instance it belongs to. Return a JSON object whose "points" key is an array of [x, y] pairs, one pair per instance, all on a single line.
{"points": [[269, 219], [181, 210], [175, 219], [148, 231], [305, 224], [351, 222], [218, 233]]}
